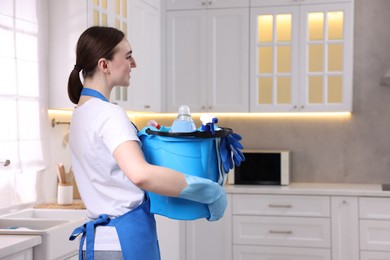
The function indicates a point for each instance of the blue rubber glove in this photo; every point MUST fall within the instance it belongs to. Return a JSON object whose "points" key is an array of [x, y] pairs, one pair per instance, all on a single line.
{"points": [[207, 192], [231, 144]]}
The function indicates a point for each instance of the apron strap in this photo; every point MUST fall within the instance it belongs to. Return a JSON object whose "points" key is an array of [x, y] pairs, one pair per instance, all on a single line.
{"points": [[88, 231]]}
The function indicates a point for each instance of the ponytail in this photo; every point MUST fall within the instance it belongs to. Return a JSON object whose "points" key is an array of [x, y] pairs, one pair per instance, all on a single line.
{"points": [[74, 85]]}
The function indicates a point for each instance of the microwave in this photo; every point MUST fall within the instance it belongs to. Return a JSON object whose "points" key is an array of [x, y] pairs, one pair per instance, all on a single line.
{"points": [[262, 167]]}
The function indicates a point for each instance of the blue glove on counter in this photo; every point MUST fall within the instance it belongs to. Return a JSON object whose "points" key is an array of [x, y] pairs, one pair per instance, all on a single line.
{"points": [[207, 192], [231, 144]]}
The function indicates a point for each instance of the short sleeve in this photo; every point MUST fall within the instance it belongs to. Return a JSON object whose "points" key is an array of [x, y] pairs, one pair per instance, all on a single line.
{"points": [[117, 129]]}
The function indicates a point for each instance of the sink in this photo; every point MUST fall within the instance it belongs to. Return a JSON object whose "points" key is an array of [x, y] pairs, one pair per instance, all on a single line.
{"points": [[28, 226], [53, 225], [67, 214]]}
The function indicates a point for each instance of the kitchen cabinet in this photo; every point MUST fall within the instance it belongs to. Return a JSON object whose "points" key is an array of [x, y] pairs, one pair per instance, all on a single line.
{"points": [[18, 247], [301, 56], [374, 225], [144, 93], [295, 222], [67, 20], [263, 223], [202, 4], [139, 19], [210, 240], [345, 234], [207, 57]]}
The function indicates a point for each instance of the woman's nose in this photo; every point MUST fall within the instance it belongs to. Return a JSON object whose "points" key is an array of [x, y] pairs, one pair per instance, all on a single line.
{"points": [[133, 64]]}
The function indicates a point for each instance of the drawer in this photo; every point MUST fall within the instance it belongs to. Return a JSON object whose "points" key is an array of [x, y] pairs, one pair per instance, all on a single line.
{"points": [[375, 235], [280, 253], [374, 208], [281, 231], [281, 205], [371, 255]]}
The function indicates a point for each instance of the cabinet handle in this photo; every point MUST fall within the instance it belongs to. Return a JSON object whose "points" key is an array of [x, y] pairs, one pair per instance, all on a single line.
{"points": [[147, 106], [203, 3], [285, 232], [279, 206], [210, 2]]}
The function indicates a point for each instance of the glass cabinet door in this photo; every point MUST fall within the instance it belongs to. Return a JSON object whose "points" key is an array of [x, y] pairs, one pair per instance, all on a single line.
{"points": [[326, 64], [301, 58], [274, 59]]}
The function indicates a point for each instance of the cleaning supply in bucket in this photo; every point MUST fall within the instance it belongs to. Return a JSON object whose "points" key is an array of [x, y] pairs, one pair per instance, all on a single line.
{"points": [[209, 123], [196, 153], [183, 123], [193, 154]]}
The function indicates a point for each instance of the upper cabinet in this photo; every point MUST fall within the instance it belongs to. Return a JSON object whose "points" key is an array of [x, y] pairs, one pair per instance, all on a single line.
{"points": [[138, 19], [144, 92], [301, 56], [207, 63], [67, 20], [202, 4]]}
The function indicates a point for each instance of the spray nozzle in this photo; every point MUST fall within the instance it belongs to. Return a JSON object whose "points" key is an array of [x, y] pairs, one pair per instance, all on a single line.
{"points": [[209, 122]]}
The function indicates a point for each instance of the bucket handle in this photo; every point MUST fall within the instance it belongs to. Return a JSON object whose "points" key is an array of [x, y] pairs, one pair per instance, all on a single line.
{"points": [[207, 134]]}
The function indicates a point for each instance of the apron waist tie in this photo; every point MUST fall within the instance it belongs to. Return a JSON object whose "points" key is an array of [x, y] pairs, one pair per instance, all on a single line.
{"points": [[88, 231]]}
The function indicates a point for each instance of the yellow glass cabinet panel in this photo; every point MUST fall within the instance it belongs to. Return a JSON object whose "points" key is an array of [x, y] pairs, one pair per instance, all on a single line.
{"points": [[301, 56]]}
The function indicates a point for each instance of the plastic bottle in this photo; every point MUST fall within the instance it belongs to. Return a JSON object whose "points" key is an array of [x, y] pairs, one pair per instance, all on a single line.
{"points": [[183, 123]]}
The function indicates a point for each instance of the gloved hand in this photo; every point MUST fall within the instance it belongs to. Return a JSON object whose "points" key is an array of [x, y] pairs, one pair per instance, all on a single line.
{"points": [[207, 192], [231, 144]]}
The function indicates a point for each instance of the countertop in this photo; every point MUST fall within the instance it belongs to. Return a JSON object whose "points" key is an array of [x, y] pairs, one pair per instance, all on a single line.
{"points": [[336, 189], [11, 244]]}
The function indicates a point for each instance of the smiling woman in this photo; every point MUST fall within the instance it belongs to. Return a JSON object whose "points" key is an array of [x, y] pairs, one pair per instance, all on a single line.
{"points": [[21, 101]]}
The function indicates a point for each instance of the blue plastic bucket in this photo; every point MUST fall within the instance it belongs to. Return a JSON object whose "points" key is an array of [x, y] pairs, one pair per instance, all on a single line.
{"points": [[190, 153]]}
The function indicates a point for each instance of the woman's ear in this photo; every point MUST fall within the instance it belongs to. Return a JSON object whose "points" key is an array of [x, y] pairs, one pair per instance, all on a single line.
{"points": [[102, 64]]}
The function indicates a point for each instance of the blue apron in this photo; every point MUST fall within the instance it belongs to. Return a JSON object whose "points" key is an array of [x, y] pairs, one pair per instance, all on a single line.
{"points": [[136, 232], [136, 229]]}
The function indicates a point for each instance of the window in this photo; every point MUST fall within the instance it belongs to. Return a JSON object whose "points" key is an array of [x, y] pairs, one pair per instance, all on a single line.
{"points": [[22, 100]]}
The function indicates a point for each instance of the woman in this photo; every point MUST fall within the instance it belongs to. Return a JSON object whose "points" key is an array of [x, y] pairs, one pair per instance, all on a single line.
{"points": [[110, 169]]}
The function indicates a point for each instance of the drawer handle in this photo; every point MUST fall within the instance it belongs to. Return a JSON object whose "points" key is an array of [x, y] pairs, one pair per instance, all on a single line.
{"points": [[279, 206], [285, 232]]}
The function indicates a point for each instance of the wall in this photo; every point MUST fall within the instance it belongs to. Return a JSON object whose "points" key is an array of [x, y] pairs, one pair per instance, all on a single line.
{"points": [[352, 149]]}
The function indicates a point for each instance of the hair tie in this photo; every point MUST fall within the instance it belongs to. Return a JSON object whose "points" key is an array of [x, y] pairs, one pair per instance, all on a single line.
{"points": [[77, 68]]}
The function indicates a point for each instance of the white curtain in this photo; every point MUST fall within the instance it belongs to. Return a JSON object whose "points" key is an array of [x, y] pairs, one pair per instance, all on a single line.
{"points": [[23, 102]]}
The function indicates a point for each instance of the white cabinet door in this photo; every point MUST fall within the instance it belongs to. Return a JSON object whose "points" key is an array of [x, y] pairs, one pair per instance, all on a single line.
{"points": [[202, 4], [207, 60], [228, 55], [144, 93], [26, 254], [345, 234], [210, 240], [279, 253], [375, 235], [374, 208], [186, 60], [281, 231], [62, 45], [372, 255], [281, 205]]}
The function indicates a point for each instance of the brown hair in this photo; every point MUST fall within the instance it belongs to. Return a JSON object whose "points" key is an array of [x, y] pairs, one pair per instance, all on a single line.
{"points": [[94, 43]]}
